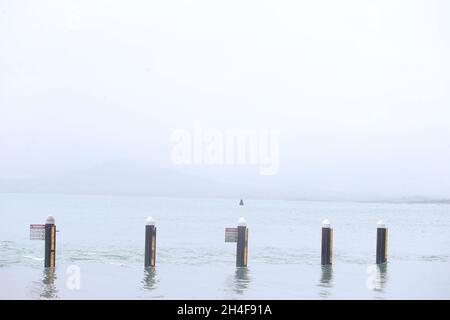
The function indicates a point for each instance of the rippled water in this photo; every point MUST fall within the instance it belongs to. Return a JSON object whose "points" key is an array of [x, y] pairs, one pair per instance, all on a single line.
{"points": [[104, 237]]}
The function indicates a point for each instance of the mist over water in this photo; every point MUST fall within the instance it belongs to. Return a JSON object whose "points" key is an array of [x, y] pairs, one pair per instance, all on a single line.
{"points": [[357, 90], [349, 102]]}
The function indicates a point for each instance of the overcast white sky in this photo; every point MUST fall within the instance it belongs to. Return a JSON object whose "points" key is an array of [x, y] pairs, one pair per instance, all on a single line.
{"points": [[358, 89]]}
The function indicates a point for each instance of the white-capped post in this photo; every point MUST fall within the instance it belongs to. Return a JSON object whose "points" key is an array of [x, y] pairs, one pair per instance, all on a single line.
{"points": [[242, 243], [150, 243], [50, 243], [327, 243], [382, 239]]}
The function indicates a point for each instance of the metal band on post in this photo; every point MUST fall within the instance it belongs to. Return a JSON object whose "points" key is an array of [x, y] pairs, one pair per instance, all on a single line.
{"points": [[327, 243], [150, 243], [50, 243], [242, 243], [382, 239]]}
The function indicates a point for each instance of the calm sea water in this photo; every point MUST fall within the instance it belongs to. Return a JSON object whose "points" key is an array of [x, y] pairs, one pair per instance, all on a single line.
{"points": [[103, 237]]}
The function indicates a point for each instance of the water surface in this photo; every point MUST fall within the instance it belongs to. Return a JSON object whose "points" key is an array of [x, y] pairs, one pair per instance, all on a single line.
{"points": [[104, 237]]}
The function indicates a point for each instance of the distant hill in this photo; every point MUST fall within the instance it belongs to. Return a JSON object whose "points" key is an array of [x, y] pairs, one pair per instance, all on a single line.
{"points": [[125, 178], [128, 178]]}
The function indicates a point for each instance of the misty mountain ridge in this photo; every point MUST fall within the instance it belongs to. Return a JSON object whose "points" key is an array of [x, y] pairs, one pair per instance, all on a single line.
{"points": [[123, 177]]}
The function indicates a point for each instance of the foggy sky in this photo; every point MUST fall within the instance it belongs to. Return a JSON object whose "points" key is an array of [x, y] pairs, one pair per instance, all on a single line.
{"points": [[359, 90]]}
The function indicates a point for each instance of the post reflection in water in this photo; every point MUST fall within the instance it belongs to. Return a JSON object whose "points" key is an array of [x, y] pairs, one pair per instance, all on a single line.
{"points": [[381, 278], [241, 280], [326, 281], [150, 280], [48, 290]]}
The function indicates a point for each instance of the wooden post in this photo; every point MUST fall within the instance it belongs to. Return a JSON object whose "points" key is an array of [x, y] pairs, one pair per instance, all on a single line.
{"points": [[150, 243], [50, 243], [327, 243], [242, 243], [382, 238]]}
